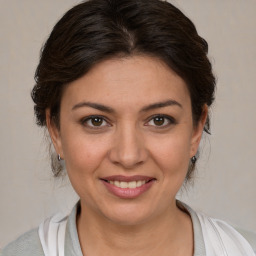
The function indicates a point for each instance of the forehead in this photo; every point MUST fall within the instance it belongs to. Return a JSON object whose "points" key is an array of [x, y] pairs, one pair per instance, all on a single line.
{"points": [[131, 81]]}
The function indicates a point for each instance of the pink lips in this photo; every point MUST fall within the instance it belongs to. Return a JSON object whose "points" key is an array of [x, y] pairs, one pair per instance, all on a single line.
{"points": [[128, 193]]}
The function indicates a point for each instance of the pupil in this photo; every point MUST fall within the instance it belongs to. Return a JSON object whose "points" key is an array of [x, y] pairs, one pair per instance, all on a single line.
{"points": [[159, 121], [97, 121]]}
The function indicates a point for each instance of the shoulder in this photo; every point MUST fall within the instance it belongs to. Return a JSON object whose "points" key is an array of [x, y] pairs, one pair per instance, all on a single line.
{"points": [[218, 233], [27, 244], [220, 238], [249, 236]]}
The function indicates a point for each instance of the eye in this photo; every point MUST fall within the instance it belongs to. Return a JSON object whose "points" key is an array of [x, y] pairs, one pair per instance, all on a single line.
{"points": [[95, 122], [161, 121]]}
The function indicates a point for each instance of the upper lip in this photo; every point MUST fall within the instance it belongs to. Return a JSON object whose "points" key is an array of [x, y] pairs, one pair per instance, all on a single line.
{"points": [[127, 178]]}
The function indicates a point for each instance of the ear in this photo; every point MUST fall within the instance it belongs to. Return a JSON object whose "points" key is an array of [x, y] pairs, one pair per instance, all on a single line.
{"points": [[54, 133], [198, 131]]}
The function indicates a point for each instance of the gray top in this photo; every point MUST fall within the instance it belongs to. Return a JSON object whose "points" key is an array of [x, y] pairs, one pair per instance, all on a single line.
{"points": [[29, 243]]}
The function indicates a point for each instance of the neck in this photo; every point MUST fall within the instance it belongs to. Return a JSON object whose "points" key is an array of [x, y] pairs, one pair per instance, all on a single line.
{"points": [[159, 235]]}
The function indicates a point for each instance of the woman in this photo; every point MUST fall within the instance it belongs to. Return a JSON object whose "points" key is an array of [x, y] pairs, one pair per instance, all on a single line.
{"points": [[124, 88]]}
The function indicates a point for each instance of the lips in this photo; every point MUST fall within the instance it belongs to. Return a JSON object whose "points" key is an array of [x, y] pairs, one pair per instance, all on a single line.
{"points": [[127, 178], [127, 186], [131, 184]]}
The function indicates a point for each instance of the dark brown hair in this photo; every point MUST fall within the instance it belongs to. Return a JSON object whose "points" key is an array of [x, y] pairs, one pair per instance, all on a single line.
{"points": [[97, 30]]}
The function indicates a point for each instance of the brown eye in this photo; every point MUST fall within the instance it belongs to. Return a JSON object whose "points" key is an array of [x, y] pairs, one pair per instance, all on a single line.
{"points": [[96, 121], [159, 121]]}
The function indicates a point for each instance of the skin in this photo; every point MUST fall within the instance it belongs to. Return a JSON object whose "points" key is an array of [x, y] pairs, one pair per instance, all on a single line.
{"points": [[129, 141]]}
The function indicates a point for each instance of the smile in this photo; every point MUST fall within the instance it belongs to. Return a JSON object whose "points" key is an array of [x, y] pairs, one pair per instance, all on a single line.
{"points": [[131, 184], [128, 187]]}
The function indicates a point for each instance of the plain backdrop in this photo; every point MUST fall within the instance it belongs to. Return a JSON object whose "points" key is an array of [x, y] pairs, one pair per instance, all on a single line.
{"points": [[224, 186]]}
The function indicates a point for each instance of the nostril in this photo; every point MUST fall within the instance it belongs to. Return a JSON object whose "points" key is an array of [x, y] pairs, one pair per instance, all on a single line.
{"points": [[127, 154]]}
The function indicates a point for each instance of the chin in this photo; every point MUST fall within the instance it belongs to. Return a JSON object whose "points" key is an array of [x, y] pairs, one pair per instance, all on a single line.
{"points": [[128, 215]]}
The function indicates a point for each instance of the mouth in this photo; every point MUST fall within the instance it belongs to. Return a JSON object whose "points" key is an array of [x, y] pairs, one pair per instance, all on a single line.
{"points": [[128, 186], [131, 184]]}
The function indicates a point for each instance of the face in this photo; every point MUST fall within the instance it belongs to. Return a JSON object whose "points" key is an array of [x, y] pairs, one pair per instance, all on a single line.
{"points": [[127, 136]]}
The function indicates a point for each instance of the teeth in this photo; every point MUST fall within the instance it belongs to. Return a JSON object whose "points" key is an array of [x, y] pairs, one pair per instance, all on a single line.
{"points": [[131, 184], [117, 183], [124, 184]]}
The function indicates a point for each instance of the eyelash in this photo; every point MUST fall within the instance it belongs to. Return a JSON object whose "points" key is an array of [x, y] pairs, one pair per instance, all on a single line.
{"points": [[170, 121], [90, 118]]}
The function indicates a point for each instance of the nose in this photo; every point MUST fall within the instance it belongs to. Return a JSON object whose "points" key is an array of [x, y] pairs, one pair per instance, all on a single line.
{"points": [[128, 148]]}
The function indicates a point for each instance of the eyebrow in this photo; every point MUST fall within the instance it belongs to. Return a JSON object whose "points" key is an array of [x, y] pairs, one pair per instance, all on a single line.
{"points": [[111, 110], [94, 105], [161, 105]]}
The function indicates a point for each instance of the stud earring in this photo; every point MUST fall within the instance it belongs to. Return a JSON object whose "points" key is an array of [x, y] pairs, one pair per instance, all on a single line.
{"points": [[193, 159], [59, 158]]}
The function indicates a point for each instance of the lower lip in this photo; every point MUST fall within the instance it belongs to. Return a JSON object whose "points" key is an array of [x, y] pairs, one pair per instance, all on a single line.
{"points": [[128, 192]]}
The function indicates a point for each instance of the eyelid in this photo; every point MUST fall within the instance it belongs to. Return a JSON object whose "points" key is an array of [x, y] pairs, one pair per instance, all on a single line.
{"points": [[169, 118], [85, 119], [171, 121]]}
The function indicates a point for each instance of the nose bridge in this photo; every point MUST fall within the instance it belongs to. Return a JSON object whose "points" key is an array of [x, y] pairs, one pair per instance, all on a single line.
{"points": [[128, 148]]}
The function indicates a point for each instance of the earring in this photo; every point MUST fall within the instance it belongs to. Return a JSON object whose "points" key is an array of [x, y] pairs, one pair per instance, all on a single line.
{"points": [[59, 158], [193, 159]]}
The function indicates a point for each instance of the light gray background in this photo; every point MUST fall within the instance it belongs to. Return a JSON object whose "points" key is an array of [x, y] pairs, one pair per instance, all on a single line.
{"points": [[225, 182]]}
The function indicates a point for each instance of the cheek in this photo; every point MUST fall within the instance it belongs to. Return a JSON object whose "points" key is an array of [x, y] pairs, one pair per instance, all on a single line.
{"points": [[172, 154], [83, 154]]}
